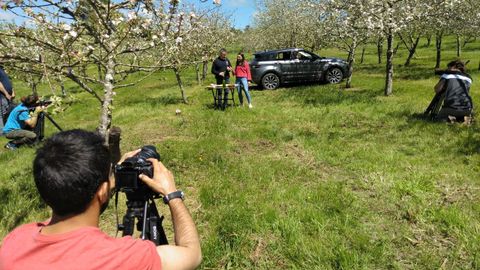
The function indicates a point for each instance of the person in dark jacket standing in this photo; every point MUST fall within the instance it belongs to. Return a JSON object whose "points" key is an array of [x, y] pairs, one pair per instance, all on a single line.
{"points": [[221, 68], [7, 94], [455, 83]]}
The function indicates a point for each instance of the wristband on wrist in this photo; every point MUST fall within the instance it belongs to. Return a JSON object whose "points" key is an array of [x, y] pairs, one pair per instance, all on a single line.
{"points": [[174, 195]]}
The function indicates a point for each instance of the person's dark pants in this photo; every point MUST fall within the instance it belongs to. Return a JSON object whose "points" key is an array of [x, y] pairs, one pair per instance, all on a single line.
{"points": [[444, 113], [225, 93], [21, 136], [3, 111]]}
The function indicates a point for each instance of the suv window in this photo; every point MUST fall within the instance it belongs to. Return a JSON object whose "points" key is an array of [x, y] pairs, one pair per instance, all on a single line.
{"points": [[284, 56], [265, 56], [304, 55]]}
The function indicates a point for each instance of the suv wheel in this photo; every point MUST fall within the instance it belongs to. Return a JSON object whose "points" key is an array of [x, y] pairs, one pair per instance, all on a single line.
{"points": [[270, 81], [334, 75]]}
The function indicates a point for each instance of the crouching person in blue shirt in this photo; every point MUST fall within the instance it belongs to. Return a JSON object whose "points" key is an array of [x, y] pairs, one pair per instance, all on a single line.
{"points": [[20, 123]]}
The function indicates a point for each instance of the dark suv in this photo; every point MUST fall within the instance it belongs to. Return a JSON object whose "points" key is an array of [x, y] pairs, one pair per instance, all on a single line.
{"points": [[270, 69]]}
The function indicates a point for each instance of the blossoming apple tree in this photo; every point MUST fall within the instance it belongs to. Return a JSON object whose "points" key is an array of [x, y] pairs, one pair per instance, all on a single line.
{"points": [[94, 43]]}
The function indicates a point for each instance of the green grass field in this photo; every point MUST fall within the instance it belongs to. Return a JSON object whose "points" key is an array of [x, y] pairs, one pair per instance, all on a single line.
{"points": [[313, 177]]}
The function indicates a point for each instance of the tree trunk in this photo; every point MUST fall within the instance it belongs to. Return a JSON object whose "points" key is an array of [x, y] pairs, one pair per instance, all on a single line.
{"points": [[389, 75], [380, 49], [412, 50], [106, 113], [429, 40], [396, 49], [363, 56], [351, 62], [99, 71], [114, 144], [459, 48], [438, 46], [197, 70], [34, 88], [180, 84], [62, 87], [205, 70]]}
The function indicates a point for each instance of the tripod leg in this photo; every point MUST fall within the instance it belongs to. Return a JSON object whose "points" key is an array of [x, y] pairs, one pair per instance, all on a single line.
{"points": [[128, 223], [40, 127], [145, 220], [156, 231], [53, 122]]}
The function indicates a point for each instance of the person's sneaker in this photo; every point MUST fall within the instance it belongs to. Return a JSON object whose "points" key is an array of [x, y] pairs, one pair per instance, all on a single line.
{"points": [[11, 146], [250, 106]]}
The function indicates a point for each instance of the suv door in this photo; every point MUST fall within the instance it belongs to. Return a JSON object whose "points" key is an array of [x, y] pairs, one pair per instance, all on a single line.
{"points": [[288, 66], [309, 67]]}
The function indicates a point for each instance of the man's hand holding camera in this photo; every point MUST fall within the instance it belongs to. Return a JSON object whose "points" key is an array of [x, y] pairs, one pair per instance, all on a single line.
{"points": [[162, 181], [39, 109], [186, 253]]}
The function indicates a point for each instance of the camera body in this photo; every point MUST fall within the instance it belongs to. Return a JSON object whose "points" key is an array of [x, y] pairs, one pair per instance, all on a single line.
{"points": [[127, 174], [440, 72], [40, 103], [43, 103]]}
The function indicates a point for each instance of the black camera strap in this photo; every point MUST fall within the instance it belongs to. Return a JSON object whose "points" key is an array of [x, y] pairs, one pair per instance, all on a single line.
{"points": [[116, 213]]}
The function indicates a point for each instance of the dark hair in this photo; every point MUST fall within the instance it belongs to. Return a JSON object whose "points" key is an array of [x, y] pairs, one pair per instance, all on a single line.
{"points": [[69, 169], [29, 101], [222, 50], [458, 64], [243, 59]]}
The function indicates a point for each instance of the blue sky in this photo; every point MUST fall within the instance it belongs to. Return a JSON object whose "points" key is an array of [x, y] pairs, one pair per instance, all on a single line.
{"points": [[241, 10]]}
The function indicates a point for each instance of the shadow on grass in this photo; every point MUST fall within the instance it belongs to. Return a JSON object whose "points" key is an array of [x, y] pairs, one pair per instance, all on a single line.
{"points": [[471, 144], [412, 72], [162, 100], [289, 85], [329, 95]]}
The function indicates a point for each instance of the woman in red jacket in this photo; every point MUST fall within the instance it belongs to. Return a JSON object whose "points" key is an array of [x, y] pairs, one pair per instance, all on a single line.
{"points": [[242, 72]]}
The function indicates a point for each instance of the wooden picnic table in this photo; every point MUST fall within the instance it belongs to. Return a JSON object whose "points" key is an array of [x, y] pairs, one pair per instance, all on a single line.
{"points": [[213, 87]]}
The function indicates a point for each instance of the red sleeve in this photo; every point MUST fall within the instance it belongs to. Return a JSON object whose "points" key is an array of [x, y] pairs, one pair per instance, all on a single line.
{"points": [[249, 75]]}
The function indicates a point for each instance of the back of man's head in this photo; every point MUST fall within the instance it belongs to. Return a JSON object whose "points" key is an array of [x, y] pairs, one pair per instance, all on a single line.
{"points": [[69, 169], [457, 64], [29, 100]]}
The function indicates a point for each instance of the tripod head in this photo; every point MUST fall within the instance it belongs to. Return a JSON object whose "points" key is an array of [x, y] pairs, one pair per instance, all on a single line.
{"points": [[149, 221], [140, 198]]}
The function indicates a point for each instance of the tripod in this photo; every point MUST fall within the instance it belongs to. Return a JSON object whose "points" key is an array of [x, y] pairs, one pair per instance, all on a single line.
{"points": [[149, 221], [435, 105], [40, 127]]}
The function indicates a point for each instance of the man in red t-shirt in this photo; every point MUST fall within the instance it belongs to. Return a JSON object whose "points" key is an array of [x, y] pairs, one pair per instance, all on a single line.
{"points": [[72, 175]]}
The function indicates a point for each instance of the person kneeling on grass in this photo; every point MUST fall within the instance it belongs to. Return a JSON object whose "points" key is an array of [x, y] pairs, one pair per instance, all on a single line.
{"points": [[242, 72], [20, 123], [72, 172], [455, 84]]}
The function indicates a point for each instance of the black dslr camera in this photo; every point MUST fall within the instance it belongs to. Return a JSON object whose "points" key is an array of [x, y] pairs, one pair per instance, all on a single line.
{"points": [[127, 174], [140, 198], [440, 72], [44, 103]]}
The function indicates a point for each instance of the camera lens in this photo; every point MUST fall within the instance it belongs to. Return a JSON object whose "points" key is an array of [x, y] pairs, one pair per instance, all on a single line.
{"points": [[148, 151]]}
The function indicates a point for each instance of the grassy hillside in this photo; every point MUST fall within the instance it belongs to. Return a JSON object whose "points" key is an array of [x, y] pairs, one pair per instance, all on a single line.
{"points": [[314, 177]]}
